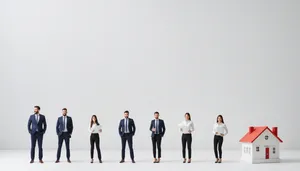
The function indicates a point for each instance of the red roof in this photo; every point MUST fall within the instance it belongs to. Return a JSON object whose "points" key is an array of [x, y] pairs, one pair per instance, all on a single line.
{"points": [[251, 137]]}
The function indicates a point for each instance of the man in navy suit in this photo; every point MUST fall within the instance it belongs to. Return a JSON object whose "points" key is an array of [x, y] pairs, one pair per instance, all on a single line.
{"points": [[37, 126], [64, 129], [127, 131], [158, 129]]}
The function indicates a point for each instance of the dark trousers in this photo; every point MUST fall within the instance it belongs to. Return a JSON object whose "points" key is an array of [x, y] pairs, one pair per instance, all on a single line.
{"points": [[124, 138], [39, 138], [94, 139], [63, 137], [218, 141], [186, 139], [156, 142]]}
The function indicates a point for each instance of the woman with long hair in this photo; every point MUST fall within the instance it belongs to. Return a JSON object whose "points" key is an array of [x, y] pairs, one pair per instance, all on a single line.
{"points": [[219, 131], [95, 128], [186, 127]]}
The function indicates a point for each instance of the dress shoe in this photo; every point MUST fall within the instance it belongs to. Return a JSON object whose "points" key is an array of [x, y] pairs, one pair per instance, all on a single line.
{"points": [[100, 161], [57, 161], [31, 161], [92, 161], [122, 161], [69, 161], [41, 161], [133, 161]]}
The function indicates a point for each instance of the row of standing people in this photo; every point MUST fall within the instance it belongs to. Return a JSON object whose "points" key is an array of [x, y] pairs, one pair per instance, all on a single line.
{"points": [[37, 127]]}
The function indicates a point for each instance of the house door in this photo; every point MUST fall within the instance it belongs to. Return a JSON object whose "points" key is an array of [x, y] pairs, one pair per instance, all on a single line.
{"points": [[267, 153]]}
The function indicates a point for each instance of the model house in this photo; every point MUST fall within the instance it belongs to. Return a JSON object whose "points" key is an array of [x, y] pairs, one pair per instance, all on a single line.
{"points": [[261, 145]]}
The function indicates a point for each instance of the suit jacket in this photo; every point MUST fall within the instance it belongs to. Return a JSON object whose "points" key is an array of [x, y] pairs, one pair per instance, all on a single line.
{"points": [[131, 127], [60, 125], [161, 127], [34, 126]]}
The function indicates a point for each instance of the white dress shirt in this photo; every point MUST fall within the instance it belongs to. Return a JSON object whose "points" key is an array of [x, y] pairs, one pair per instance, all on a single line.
{"points": [[37, 118], [219, 129], [65, 118], [186, 126], [126, 125], [156, 125], [95, 129]]}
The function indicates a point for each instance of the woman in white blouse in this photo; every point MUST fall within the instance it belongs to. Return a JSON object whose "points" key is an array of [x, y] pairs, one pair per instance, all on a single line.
{"points": [[186, 127], [219, 130], [95, 129]]}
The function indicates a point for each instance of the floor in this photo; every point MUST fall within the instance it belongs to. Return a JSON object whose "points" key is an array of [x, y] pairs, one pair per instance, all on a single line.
{"points": [[202, 160]]}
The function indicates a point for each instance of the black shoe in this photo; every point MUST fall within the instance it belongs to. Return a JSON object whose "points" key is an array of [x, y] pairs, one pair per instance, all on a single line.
{"points": [[155, 161], [220, 161], [122, 161], [92, 161], [133, 161], [57, 161], [217, 161], [189, 161], [100, 161], [158, 161], [31, 161], [184, 160], [69, 161]]}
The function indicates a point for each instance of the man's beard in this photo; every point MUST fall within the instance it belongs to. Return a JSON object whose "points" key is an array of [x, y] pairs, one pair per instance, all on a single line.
{"points": [[36, 112]]}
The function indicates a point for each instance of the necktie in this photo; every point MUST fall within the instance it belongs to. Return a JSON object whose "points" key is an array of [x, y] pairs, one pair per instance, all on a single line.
{"points": [[156, 126], [64, 121], [126, 130]]}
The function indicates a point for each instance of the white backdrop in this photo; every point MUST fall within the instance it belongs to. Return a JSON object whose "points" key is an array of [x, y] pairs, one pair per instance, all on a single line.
{"points": [[236, 58]]}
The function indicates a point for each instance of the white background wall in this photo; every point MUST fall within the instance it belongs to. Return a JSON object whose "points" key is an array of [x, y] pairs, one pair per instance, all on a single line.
{"points": [[236, 58]]}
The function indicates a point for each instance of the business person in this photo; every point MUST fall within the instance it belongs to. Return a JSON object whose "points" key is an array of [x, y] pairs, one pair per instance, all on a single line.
{"points": [[126, 132], [64, 129], [158, 129], [219, 130], [37, 127], [95, 128], [186, 127]]}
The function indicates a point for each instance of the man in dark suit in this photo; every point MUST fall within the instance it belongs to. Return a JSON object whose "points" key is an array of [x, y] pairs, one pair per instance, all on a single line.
{"points": [[64, 129], [127, 131], [158, 129], [37, 126]]}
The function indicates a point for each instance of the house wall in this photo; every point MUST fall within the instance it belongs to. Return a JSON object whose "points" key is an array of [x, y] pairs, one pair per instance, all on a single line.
{"points": [[247, 152], [263, 143]]}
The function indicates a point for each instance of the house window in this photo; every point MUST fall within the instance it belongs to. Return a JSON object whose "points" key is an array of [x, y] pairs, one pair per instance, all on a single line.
{"points": [[274, 150], [266, 137], [257, 149]]}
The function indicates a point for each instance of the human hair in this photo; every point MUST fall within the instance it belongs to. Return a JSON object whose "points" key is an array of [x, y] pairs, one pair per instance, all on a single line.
{"points": [[97, 123], [188, 115], [126, 111], [221, 118], [65, 109], [37, 107], [156, 113]]}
